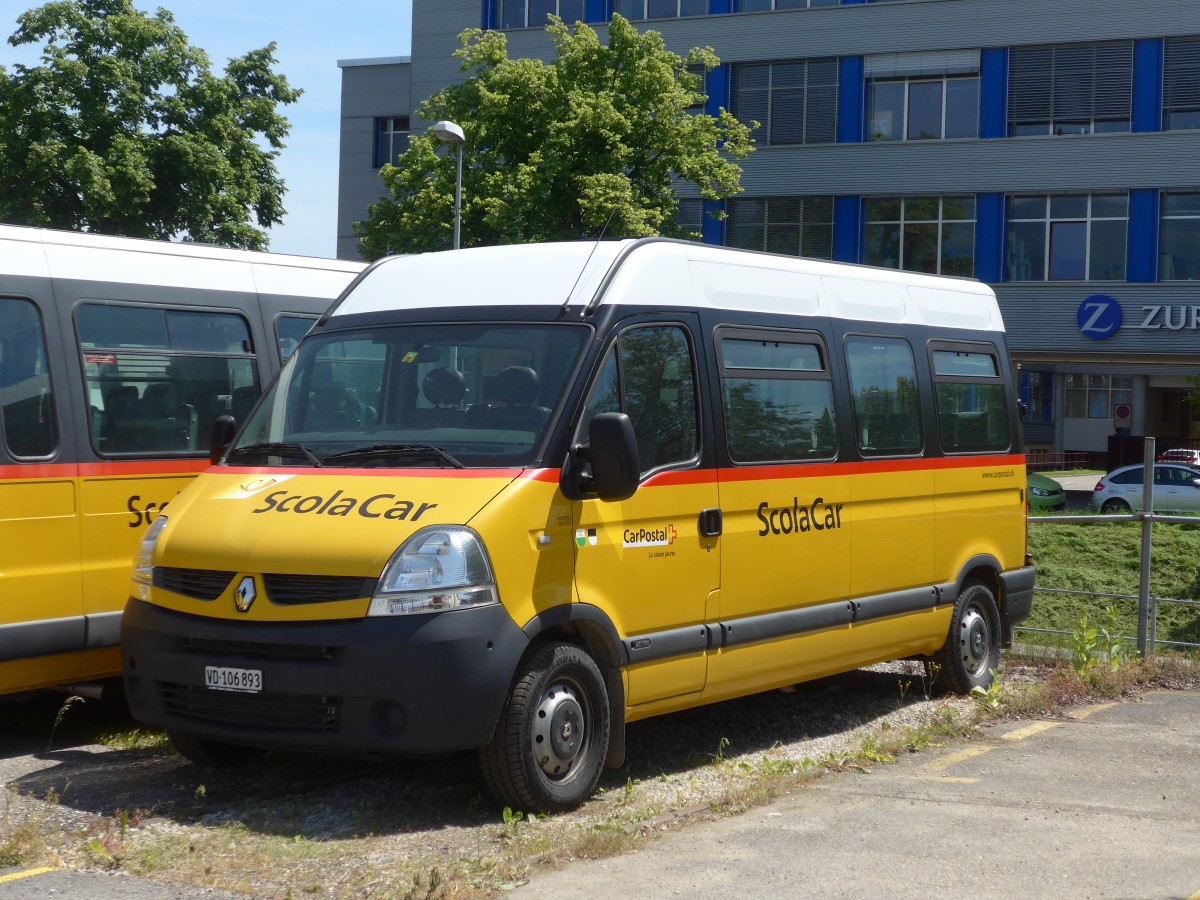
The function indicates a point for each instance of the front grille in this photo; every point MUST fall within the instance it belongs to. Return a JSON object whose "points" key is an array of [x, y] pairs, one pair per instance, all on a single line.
{"points": [[199, 584], [255, 651], [296, 589], [264, 712]]}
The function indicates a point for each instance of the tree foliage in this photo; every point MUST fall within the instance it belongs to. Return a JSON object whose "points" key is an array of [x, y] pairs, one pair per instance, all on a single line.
{"points": [[595, 140], [123, 129]]}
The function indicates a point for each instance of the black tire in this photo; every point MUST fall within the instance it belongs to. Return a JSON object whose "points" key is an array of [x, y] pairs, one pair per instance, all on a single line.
{"points": [[1115, 507], [213, 754], [549, 747], [972, 649]]}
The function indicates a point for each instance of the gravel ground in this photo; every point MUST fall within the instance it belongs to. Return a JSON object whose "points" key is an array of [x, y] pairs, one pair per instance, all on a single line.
{"points": [[292, 825]]}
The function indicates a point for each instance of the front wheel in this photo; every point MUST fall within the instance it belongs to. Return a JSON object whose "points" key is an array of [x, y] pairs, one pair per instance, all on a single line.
{"points": [[972, 649], [549, 747]]}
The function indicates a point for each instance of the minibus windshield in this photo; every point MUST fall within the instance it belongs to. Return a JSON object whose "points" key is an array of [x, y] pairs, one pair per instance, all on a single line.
{"points": [[441, 395]]}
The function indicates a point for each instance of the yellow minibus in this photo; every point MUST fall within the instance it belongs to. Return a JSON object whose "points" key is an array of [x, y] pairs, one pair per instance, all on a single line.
{"points": [[116, 356], [514, 498]]}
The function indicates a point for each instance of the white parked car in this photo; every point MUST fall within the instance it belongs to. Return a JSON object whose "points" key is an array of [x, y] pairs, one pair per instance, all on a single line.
{"points": [[1176, 489]]}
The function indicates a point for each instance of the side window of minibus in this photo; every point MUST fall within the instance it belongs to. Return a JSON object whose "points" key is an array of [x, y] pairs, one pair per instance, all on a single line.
{"points": [[883, 386], [971, 406], [26, 396], [778, 397], [157, 377], [650, 376]]}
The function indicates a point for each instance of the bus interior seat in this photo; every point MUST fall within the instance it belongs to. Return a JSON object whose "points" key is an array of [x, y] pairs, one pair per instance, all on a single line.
{"points": [[444, 388], [242, 402], [514, 405], [331, 407]]}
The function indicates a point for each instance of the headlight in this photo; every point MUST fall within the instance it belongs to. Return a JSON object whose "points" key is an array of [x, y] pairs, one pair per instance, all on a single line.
{"points": [[439, 567], [1040, 492], [143, 566]]}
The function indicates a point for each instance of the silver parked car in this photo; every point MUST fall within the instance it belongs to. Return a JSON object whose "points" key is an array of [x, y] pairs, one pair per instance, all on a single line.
{"points": [[1176, 489]]}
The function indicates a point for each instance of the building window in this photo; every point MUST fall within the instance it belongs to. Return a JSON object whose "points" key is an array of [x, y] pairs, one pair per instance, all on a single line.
{"points": [[922, 109], [921, 234], [534, 13], [1077, 89], [1181, 83], [1067, 237], [766, 5], [1094, 396], [797, 226], [690, 216], [391, 139], [660, 9], [1180, 237], [1037, 393], [794, 102]]}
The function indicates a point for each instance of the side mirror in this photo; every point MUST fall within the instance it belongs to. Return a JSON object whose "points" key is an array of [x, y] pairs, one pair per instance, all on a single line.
{"points": [[224, 428], [608, 467]]}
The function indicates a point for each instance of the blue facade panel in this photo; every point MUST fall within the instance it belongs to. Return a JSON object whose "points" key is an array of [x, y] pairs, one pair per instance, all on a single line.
{"points": [[989, 237], [1147, 84], [597, 10], [490, 12], [993, 92], [851, 94], [716, 85], [1142, 265], [847, 229], [719, 7], [712, 231]]}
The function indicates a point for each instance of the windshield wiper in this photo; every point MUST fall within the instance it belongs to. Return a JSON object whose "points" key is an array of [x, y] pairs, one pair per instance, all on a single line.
{"points": [[384, 451], [276, 449]]}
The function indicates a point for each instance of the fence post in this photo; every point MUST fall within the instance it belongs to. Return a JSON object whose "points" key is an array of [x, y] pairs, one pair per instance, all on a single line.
{"points": [[1147, 530]]}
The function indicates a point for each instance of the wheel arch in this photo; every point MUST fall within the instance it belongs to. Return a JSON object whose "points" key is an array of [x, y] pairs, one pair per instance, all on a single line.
{"points": [[588, 627], [986, 569]]}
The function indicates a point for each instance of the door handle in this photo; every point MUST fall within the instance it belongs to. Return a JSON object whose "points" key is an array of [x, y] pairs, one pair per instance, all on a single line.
{"points": [[710, 522]]}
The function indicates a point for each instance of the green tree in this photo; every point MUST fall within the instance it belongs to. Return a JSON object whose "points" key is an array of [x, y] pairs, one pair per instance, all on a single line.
{"points": [[595, 140], [124, 130]]}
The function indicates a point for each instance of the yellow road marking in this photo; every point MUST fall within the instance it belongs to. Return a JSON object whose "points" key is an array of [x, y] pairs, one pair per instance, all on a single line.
{"points": [[952, 759], [28, 873], [1028, 731], [1087, 711], [946, 779], [1195, 896]]}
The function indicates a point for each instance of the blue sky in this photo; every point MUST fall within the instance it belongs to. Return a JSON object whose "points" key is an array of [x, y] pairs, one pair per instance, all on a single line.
{"points": [[312, 35]]}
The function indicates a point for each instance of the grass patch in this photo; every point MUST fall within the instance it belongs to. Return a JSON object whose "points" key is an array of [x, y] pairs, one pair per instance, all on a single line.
{"points": [[1105, 559]]}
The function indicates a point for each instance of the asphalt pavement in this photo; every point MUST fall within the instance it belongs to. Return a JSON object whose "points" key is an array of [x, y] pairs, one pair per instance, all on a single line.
{"points": [[1102, 803]]}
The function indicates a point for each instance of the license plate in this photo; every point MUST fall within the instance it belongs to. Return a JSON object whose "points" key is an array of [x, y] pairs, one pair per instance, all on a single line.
{"points": [[222, 678]]}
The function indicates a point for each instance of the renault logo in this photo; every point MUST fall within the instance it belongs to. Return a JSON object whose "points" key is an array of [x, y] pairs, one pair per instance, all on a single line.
{"points": [[244, 595]]}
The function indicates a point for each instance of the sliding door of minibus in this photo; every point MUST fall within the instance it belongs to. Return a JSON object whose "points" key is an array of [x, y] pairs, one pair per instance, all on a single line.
{"points": [[646, 561], [784, 496], [41, 622]]}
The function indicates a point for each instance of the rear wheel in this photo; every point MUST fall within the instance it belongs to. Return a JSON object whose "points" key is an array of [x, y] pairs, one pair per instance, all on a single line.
{"points": [[212, 754], [1115, 507], [549, 747], [972, 649]]}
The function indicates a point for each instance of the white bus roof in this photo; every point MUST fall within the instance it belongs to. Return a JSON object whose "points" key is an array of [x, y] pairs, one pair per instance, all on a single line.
{"points": [[670, 274], [43, 253]]}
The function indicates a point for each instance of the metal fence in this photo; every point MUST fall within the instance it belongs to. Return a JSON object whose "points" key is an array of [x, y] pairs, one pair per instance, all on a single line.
{"points": [[1148, 605]]}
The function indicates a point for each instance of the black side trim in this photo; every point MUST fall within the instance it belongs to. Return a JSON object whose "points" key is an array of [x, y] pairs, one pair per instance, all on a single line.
{"points": [[893, 604], [25, 640], [664, 644], [787, 623], [103, 629]]}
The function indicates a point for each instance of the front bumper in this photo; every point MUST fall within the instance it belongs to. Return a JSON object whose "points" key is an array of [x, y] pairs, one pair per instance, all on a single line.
{"points": [[391, 685]]}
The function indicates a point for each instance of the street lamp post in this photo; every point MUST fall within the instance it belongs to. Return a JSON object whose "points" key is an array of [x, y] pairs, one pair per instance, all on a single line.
{"points": [[449, 133]]}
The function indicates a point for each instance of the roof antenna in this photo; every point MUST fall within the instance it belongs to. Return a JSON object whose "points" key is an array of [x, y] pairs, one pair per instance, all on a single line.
{"points": [[563, 310]]}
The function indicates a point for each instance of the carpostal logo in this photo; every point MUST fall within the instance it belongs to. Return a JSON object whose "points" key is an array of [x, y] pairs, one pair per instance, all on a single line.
{"points": [[650, 537], [377, 506]]}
